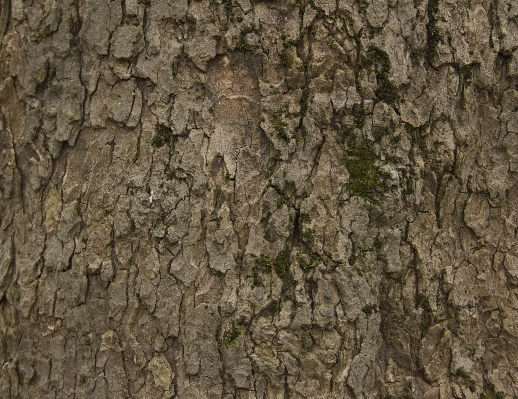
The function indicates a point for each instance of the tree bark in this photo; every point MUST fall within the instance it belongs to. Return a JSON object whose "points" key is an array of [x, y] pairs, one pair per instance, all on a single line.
{"points": [[257, 199]]}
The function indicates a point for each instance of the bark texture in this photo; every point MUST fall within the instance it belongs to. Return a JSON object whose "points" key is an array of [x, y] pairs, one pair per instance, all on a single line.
{"points": [[259, 199]]}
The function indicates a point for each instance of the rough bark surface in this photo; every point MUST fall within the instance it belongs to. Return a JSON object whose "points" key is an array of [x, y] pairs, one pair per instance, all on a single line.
{"points": [[259, 199]]}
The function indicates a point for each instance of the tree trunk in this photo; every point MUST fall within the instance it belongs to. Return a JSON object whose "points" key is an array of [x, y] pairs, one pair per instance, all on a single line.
{"points": [[258, 199]]}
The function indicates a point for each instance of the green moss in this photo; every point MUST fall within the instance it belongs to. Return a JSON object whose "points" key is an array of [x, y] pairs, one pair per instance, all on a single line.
{"points": [[304, 100], [257, 279], [268, 235], [264, 264], [266, 213], [285, 55], [171, 174], [366, 179], [228, 5], [422, 301], [352, 260], [359, 114], [304, 218], [427, 317], [466, 380], [426, 322], [306, 342], [270, 310], [489, 393], [241, 43], [465, 73], [369, 309], [164, 135], [306, 266], [301, 4], [380, 131], [404, 395], [307, 237], [379, 60], [286, 58], [288, 287], [281, 264], [307, 260], [289, 189], [386, 91], [432, 31], [407, 391], [218, 198], [287, 194], [79, 206], [409, 182], [311, 286], [280, 125], [230, 337], [239, 258], [265, 221]]}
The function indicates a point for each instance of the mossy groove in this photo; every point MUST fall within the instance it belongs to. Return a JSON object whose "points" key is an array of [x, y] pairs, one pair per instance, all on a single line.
{"points": [[366, 178], [380, 61]]}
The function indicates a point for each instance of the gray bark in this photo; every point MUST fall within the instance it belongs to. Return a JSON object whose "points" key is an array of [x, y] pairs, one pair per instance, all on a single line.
{"points": [[258, 199]]}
